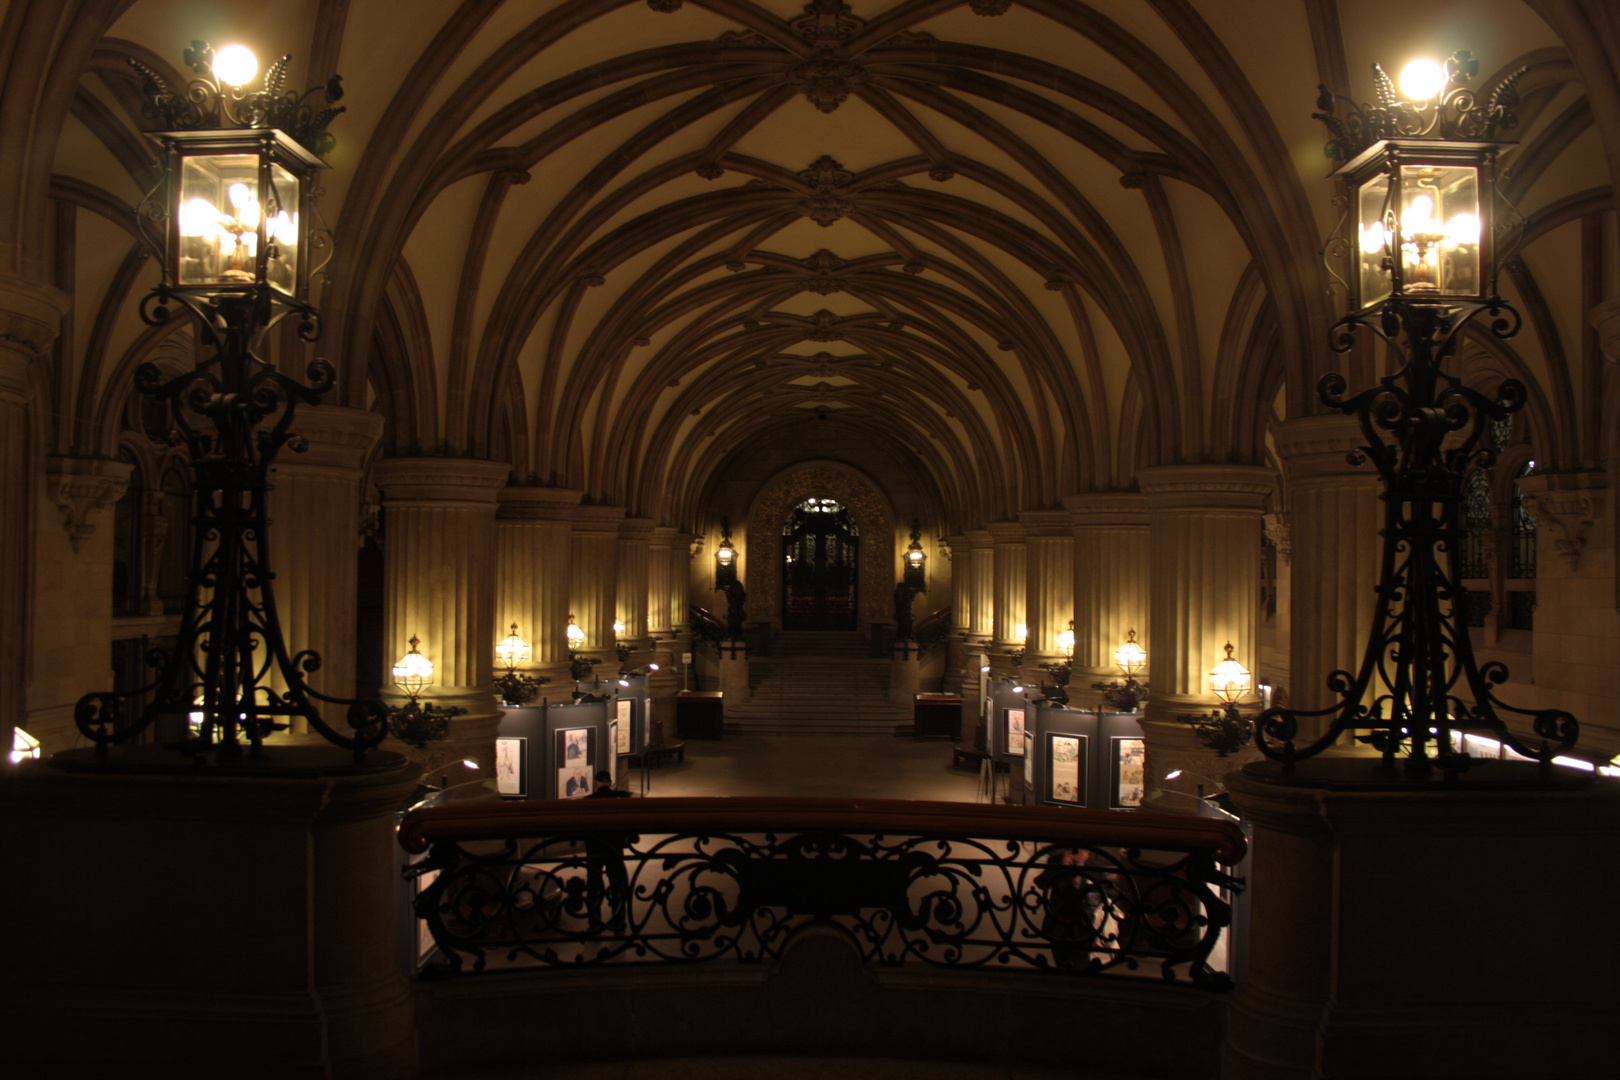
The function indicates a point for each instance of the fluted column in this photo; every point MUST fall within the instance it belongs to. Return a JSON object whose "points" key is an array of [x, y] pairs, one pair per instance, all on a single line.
{"points": [[596, 578], [1049, 588], [1110, 580], [961, 557], [661, 579], [1204, 553], [534, 558], [635, 536], [314, 509], [1334, 518], [981, 548], [1010, 564], [30, 316], [439, 586]]}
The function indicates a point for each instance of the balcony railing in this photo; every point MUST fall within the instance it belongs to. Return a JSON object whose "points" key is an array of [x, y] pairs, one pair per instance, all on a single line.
{"points": [[525, 885]]}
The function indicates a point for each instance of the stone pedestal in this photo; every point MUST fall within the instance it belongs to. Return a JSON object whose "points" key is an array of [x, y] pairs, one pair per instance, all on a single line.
{"points": [[734, 673], [1334, 519], [439, 532], [534, 568], [1442, 933], [1110, 583], [314, 510], [905, 675], [595, 587], [252, 931], [1204, 556]]}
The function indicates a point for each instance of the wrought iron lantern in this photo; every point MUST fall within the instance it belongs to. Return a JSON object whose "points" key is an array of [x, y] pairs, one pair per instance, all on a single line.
{"points": [[1230, 680], [413, 672], [916, 570], [1062, 670], [1130, 656], [1126, 696], [1425, 253], [1065, 642], [725, 558], [1225, 731], [414, 722], [576, 636], [515, 689]]}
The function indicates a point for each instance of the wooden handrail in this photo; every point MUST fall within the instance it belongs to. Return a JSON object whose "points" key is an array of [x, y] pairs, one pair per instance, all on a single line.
{"points": [[755, 814]]}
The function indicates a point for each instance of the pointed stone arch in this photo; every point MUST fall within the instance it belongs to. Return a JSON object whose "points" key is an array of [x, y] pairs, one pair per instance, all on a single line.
{"points": [[868, 506]]}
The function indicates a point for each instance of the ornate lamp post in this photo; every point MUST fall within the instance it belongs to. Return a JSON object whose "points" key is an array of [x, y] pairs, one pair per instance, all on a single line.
{"points": [[231, 224], [516, 689], [1420, 167]]}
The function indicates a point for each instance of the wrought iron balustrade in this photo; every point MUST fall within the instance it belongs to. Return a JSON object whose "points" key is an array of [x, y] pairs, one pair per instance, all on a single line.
{"points": [[511, 886]]}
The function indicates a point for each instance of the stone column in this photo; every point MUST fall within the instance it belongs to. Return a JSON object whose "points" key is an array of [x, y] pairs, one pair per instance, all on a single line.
{"points": [[1349, 892], [1110, 581], [314, 511], [661, 578], [1204, 554], [1049, 590], [439, 585], [1335, 516], [534, 558], [596, 580], [71, 577], [1009, 597], [30, 316], [635, 579], [982, 580]]}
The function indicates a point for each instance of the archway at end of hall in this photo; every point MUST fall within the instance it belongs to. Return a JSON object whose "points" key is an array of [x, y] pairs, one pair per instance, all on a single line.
{"points": [[869, 518]]}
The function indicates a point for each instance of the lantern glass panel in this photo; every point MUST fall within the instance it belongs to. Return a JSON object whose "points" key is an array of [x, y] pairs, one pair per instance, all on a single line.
{"points": [[1373, 249], [281, 231], [1440, 229], [219, 216]]}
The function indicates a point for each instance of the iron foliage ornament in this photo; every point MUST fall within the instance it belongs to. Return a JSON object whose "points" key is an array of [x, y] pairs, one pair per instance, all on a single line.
{"points": [[1454, 114]]}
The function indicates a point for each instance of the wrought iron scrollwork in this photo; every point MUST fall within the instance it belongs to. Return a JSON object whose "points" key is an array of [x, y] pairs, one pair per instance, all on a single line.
{"points": [[946, 901]]}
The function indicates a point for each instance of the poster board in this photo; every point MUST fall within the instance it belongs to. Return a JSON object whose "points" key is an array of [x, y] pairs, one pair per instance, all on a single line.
{"points": [[1067, 763], [623, 728], [576, 761], [512, 767], [1013, 721], [1127, 772]]}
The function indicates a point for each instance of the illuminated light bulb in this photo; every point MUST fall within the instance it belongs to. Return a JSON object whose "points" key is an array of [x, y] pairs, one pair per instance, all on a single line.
{"points": [[624, 682], [985, 670], [1172, 774], [470, 763], [1422, 80], [199, 217], [1065, 642], [235, 65], [652, 667], [1463, 229], [284, 228], [618, 628], [1374, 238], [1022, 634], [1018, 689], [1419, 216]]}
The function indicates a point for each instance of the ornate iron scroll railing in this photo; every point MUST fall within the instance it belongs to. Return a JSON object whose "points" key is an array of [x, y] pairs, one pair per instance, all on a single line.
{"points": [[509, 885]]}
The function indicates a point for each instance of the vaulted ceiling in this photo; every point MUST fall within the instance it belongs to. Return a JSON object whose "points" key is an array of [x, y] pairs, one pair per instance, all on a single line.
{"points": [[1017, 250]]}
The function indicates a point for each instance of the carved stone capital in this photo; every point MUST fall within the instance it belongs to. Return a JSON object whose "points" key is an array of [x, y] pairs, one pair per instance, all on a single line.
{"points": [[1208, 488], [30, 317], [537, 504], [598, 520], [1280, 532], [82, 488], [1093, 509], [1315, 448], [1045, 523], [450, 481], [1605, 319], [1569, 502]]}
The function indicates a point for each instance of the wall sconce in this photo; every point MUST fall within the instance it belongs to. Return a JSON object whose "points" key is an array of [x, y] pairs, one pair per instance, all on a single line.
{"points": [[576, 636], [516, 689], [580, 666], [725, 558], [1126, 696], [1062, 670], [414, 722], [1224, 730], [413, 672], [24, 747], [916, 574]]}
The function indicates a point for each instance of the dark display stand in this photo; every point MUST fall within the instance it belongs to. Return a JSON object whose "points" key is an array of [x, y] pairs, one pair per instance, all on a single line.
{"points": [[937, 716], [542, 751], [1086, 759], [700, 714]]}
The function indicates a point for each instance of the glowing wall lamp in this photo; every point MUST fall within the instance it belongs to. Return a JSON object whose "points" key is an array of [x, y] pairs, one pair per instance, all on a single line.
{"points": [[516, 689], [916, 571], [1128, 695], [725, 558]]}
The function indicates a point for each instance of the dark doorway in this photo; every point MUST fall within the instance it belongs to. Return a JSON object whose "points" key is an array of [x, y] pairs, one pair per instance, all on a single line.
{"points": [[821, 566]]}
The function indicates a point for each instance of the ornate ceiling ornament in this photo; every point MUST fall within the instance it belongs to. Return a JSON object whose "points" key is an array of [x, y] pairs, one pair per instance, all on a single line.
{"points": [[826, 82], [827, 24], [824, 327], [828, 178], [825, 266], [987, 8]]}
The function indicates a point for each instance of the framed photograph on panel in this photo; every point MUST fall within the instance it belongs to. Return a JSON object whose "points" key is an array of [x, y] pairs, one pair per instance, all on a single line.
{"points": [[621, 741], [573, 783], [574, 748], [1029, 757], [512, 767], [1128, 778], [1013, 726], [1065, 768]]}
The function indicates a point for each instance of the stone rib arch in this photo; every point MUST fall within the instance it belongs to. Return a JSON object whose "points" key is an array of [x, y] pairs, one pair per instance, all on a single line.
{"points": [[874, 519]]}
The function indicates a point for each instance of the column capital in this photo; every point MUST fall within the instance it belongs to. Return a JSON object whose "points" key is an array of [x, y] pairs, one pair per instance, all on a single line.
{"points": [[336, 437], [981, 539], [664, 536], [440, 480], [1570, 503], [594, 518], [1206, 487], [632, 527], [30, 318], [1045, 523], [1005, 532], [82, 487], [1088, 508], [1310, 447], [533, 503]]}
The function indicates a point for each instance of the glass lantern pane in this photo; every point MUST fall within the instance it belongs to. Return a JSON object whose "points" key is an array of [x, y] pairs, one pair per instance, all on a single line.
{"points": [[281, 231], [1372, 241], [219, 220], [1440, 229]]}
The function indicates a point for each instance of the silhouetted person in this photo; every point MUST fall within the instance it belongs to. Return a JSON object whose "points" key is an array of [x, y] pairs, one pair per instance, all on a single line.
{"points": [[604, 856], [734, 610], [903, 595]]}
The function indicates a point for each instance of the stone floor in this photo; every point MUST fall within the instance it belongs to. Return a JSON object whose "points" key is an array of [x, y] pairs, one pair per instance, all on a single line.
{"points": [[874, 766]]}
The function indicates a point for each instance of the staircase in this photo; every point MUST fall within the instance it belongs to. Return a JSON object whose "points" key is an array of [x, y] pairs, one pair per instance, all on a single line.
{"points": [[819, 682]]}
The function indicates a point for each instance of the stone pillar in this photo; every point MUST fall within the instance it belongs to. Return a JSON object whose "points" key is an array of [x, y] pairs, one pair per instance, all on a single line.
{"points": [[1353, 896], [1335, 515], [258, 933], [1009, 564], [982, 580], [314, 511], [1049, 590], [1204, 555], [439, 586], [1577, 629], [30, 316], [596, 579], [661, 584], [534, 558], [1110, 581], [71, 577], [634, 576]]}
